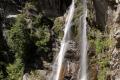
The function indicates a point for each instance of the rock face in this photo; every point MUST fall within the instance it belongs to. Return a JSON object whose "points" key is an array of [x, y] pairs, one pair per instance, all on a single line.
{"points": [[71, 64], [10, 6], [106, 14], [115, 62], [100, 11], [51, 8]]}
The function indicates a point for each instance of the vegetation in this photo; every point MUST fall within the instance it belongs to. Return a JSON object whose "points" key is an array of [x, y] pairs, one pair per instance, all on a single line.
{"points": [[15, 70], [37, 75], [17, 39], [100, 43], [57, 28], [103, 68], [31, 37]]}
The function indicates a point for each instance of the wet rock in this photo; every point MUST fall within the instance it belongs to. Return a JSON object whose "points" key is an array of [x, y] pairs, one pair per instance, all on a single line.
{"points": [[71, 63], [70, 70], [91, 51], [93, 72], [71, 53]]}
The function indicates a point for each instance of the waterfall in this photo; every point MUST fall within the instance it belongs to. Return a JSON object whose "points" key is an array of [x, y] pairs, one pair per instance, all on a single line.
{"points": [[59, 60], [83, 43], [11, 16]]}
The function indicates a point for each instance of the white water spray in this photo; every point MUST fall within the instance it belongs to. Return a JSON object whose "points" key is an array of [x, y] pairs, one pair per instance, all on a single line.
{"points": [[11, 16], [83, 48], [59, 60]]}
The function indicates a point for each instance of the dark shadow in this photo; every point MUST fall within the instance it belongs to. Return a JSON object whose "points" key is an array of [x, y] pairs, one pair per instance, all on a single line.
{"points": [[93, 23], [31, 59], [46, 21], [101, 8], [112, 4], [6, 56], [64, 5], [34, 56], [53, 8]]}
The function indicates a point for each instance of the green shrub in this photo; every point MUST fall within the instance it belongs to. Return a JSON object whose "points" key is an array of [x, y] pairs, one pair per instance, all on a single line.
{"points": [[103, 68], [15, 70], [99, 46], [58, 28], [17, 37]]}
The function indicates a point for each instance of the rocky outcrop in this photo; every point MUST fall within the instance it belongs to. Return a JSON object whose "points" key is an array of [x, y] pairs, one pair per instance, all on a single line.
{"points": [[71, 64], [106, 18], [115, 36]]}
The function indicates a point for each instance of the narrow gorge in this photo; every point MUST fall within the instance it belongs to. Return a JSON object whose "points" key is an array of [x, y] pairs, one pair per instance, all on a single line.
{"points": [[59, 39]]}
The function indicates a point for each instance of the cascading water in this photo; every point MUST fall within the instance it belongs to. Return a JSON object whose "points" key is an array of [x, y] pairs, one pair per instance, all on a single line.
{"points": [[11, 16], [59, 60], [83, 43]]}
